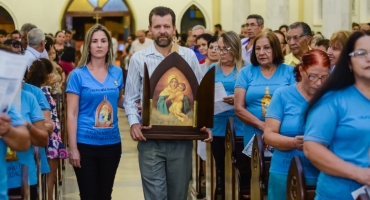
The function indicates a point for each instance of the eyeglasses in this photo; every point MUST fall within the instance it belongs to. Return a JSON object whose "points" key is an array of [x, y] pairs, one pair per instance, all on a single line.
{"points": [[223, 51], [359, 53], [265, 49], [251, 25], [315, 77], [295, 38]]}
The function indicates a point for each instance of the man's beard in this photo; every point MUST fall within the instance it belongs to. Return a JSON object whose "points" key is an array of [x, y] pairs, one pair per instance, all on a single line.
{"points": [[163, 43]]}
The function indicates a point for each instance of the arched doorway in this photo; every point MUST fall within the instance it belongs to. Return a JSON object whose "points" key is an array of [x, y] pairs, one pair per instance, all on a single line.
{"points": [[6, 20], [80, 15], [193, 16]]}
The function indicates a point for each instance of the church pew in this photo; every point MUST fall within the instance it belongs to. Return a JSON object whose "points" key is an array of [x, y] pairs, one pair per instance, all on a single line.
{"points": [[41, 179], [296, 183], [58, 98], [211, 173], [237, 165], [64, 117], [24, 188], [260, 170]]}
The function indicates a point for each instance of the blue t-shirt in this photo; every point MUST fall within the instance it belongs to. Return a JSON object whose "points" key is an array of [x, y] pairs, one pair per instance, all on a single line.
{"points": [[220, 120], [44, 105], [259, 91], [16, 121], [31, 112], [37, 92], [288, 106], [97, 122], [340, 120]]}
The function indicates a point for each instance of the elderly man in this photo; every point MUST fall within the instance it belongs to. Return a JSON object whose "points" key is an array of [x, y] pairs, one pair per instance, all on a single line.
{"points": [[27, 27], [35, 45], [140, 43], [298, 38], [195, 32], [254, 27]]}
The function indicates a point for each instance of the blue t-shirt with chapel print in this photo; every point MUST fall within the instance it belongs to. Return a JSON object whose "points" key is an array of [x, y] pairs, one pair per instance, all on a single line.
{"points": [[288, 106], [220, 120], [340, 121], [31, 112], [259, 91], [16, 121], [97, 122]]}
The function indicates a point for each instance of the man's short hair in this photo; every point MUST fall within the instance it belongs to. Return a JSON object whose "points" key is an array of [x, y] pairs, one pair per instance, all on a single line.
{"points": [[3, 32], [284, 26], [26, 28], [15, 32], [218, 26], [67, 32], [196, 27], [323, 42], [162, 11], [259, 18], [35, 37], [355, 24], [306, 30]]}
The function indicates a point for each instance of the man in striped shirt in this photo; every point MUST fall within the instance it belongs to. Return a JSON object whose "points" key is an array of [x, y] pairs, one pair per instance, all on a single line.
{"points": [[165, 165]]}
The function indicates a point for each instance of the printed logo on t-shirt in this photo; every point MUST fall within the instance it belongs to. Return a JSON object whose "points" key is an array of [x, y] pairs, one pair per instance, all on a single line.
{"points": [[104, 114], [265, 101]]}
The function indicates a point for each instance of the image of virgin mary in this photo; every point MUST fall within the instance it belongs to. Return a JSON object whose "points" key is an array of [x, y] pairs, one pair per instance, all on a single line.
{"points": [[164, 103]]}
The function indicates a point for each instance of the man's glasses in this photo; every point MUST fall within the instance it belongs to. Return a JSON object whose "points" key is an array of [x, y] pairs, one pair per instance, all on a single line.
{"points": [[251, 25], [223, 51], [294, 38], [359, 53], [315, 77]]}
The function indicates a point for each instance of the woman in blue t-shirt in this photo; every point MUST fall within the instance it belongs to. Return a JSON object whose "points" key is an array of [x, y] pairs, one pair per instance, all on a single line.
{"points": [[31, 112], [284, 122], [336, 136], [94, 89], [227, 70], [257, 83], [40, 74], [15, 135]]}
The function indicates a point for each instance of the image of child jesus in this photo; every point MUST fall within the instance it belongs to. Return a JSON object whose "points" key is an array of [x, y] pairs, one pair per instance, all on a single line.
{"points": [[177, 102]]}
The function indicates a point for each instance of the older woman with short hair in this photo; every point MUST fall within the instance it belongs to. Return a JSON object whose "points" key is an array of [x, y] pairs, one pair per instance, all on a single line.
{"points": [[285, 124], [336, 44], [257, 83]]}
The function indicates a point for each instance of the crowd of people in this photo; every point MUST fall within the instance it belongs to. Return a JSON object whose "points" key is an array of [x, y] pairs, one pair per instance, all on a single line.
{"points": [[307, 95]]}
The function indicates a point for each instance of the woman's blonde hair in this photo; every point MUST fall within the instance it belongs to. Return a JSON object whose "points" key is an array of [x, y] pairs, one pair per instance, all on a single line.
{"points": [[232, 40], [339, 39], [86, 56]]}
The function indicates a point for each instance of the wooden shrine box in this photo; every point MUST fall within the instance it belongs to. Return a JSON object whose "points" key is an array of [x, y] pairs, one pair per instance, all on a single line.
{"points": [[174, 104]]}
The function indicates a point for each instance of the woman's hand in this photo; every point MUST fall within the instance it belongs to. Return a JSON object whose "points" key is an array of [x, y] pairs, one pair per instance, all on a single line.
{"points": [[229, 100], [298, 142], [5, 124], [74, 158], [362, 175]]}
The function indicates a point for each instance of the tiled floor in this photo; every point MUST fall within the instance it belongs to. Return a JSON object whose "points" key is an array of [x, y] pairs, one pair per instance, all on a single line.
{"points": [[127, 184]]}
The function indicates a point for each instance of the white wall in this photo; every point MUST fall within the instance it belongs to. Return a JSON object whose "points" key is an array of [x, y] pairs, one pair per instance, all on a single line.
{"points": [[45, 14]]}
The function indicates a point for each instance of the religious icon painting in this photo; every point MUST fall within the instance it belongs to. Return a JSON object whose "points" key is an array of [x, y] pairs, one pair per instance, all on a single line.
{"points": [[173, 100], [104, 114], [174, 103]]}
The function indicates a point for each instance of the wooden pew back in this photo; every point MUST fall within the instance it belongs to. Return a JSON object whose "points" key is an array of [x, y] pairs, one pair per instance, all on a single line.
{"points": [[296, 183], [260, 169]]}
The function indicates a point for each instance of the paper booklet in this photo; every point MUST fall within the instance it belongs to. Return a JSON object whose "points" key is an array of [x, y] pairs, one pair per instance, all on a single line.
{"points": [[362, 190], [12, 69], [220, 93], [248, 149]]}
